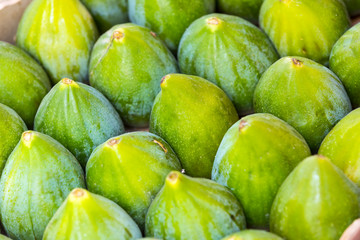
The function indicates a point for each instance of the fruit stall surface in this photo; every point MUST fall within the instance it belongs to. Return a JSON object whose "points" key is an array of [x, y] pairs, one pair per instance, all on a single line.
{"points": [[180, 119]]}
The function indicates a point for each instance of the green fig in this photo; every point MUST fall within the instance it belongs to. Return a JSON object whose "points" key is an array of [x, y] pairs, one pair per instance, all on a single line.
{"points": [[316, 202], [130, 170], [253, 235], [107, 13], [193, 208], [344, 62], [341, 146], [353, 7], [248, 9], [37, 177], [60, 35], [87, 216], [2, 237], [230, 52], [304, 28], [144, 60], [169, 18], [11, 128], [87, 118], [254, 174], [192, 115], [23, 82], [305, 94]]}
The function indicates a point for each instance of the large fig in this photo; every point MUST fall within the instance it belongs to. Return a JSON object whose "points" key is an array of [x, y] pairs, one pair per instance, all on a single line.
{"points": [[252, 235], [37, 177], [344, 62], [192, 115], [248, 9], [341, 145], [316, 202], [11, 128], [193, 208], [305, 94], [79, 117], [305, 28], [23, 82], [130, 170], [107, 13], [255, 156], [144, 60], [169, 18], [87, 216], [228, 51], [60, 35]]}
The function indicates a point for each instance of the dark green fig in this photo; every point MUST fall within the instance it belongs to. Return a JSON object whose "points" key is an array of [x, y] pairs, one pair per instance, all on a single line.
{"points": [[144, 60], [169, 18], [192, 115], [193, 208], [341, 146], [253, 235], [79, 117], [344, 62], [254, 174], [130, 170], [248, 9], [107, 13], [230, 52], [23, 82], [37, 177], [353, 7], [305, 94], [316, 202], [305, 28], [60, 35], [11, 128], [87, 216]]}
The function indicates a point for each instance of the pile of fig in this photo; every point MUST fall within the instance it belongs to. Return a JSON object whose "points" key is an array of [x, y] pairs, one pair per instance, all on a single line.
{"points": [[181, 120]]}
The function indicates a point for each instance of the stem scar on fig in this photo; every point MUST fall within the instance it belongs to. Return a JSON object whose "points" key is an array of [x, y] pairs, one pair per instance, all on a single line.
{"points": [[213, 21], [161, 145], [163, 80], [113, 142], [297, 62], [173, 177], [118, 35], [67, 81], [153, 34], [27, 136], [78, 193], [242, 125]]}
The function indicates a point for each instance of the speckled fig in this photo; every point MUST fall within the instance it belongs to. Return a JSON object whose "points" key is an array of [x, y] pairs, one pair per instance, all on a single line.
{"points": [[192, 115], [254, 174], [37, 177], [85, 215], [344, 62], [248, 9], [305, 94], [304, 28], [130, 170], [144, 60], [230, 52], [60, 35], [87, 118], [169, 18], [253, 235], [107, 13], [194, 205], [341, 146], [23, 82], [316, 202], [11, 128]]}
